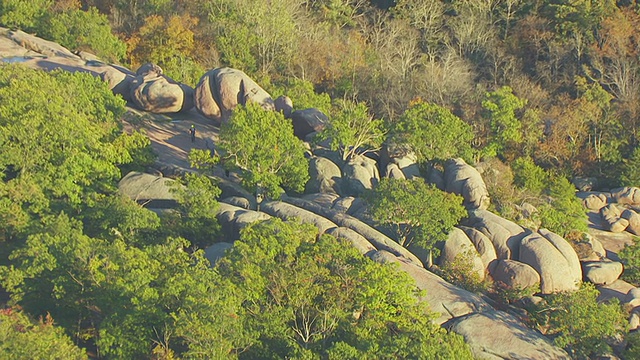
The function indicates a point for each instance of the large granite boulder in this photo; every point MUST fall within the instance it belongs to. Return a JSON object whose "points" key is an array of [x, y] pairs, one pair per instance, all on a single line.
{"points": [[504, 234], [220, 90], [284, 104], [233, 219], [497, 335], [601, 272], [324, 176], [357, 240], [118, 82], [151, 190], [463, 179], [554, 259], [483, 246], [286, 211], [308, 121], [359, 174], [392, 171], [157, 93], [514, 274], [458, 247]]}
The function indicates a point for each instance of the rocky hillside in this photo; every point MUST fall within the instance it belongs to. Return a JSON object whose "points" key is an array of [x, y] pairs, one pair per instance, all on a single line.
{"points": [[493, 247]]}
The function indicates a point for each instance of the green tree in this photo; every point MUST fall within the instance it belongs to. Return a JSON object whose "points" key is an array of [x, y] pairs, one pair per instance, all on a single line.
{"points": [[528, 175], [309, 296], [506, 129], [563, 210], [433, 133], [352, 130], [630, 174], [262, 145], [630, 257], [21, 14], [418, 212], [23, 339], [60, 141], [580, 324]]}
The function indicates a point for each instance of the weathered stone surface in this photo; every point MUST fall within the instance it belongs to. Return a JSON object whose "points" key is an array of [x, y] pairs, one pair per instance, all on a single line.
{"points": [[357, 240], [408, 164], [611, 216], [463, 179], [632, 298], [634, 321], [216, 251], [585, 183], [458, 245], [151, 190], [237, 201], [287, 211], [634, 221], [324, 176], [601, 272], [483, 246], [498, 335], [445, 299], [359, 174], [375, 237], [119, 82], [160, 94], [220, 90], [149, 69], [504, 234], [232, 219], [231, 189], [515, 274], [41, 46], [595, 202], [307, 121], [284, 104], [626, 195], [554, 259], [393, 172], [322, 199]]}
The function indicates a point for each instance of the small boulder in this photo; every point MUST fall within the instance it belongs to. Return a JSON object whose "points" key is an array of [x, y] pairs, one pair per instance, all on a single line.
{"points": [[393, 172], [601, 272], [632, 298], [324, 176], [118, 82], [626, 195], [216, 251], [515, 275], [595, 202], [611, 216], [284, 104], [308, 121], [634, 221], [359, 174]]}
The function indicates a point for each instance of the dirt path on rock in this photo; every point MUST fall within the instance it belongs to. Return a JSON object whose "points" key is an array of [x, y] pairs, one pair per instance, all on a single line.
{"points": [[169, 135]]}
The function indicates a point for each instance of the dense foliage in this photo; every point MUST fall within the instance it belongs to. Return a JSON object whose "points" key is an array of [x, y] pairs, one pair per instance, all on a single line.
{"points": [[261, 144], [579, 323], [418, 212]]}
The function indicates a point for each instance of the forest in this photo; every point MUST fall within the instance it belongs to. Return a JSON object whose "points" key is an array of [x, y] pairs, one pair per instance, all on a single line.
{"points": [[546, 91]]}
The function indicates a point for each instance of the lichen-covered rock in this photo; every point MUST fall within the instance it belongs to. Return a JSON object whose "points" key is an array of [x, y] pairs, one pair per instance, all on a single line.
{"points": [[602, 272], [459, 248], [324, 176], [360, 173], [463, 179], [308, 121], [554, 259], [515, 274]]}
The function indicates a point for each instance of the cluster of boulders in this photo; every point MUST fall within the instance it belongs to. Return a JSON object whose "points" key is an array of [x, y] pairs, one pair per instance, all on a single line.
{"points": [[619, 209]]}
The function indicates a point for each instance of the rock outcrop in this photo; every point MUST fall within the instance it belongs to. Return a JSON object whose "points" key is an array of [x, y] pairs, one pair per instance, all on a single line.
{"points": [[458, 249], [324, 176], [308, 121], [463, 179], [220, 90], [360, 173], [157, 93]]}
